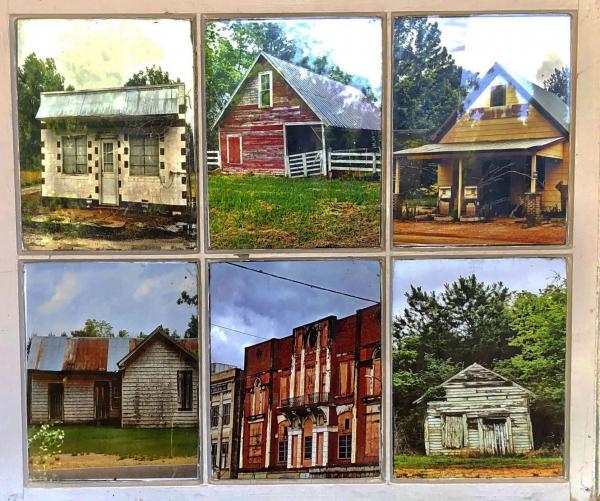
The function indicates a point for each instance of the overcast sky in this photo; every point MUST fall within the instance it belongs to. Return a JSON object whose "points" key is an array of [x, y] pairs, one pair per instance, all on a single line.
{"points": [[530, 45], [270, 307], [530, 274], [133, 296], [96, 53]]}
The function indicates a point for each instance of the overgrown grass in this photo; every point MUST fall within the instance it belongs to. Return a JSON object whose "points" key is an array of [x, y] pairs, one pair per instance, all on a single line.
{"points": [[30, 177], [273, 212], [442, 462], [141, 443]]}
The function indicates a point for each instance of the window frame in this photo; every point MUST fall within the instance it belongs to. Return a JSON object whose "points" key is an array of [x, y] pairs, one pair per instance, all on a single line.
{"points": [[580, 251], [144, 137], [75, 137], [261, 90], [185, 390]]}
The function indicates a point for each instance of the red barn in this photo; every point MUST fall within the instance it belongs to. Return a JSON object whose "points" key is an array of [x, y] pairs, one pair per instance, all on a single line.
{"points": [[312, 400], [281, 109]]}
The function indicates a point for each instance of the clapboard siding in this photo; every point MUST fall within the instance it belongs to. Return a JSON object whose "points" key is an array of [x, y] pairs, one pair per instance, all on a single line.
{"points": [[149, 389], [482, 398]]}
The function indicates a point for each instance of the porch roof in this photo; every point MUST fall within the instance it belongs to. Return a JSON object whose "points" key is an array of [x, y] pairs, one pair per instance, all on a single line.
{"points": [[455, 149]]}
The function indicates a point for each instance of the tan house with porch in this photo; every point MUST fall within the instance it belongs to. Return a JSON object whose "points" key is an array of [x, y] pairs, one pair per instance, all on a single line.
{"points": [[504, 152]]}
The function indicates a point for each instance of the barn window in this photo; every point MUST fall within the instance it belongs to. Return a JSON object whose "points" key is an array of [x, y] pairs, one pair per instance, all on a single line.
{"points": [[116, 395], [226, 414], [185, 390], [498, 95], [265, 89], [143, 158], [214, 416], [74, 159]]}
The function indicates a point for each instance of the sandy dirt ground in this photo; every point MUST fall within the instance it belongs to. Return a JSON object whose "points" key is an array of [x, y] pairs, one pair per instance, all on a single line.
{"points": [[63, 461], [498, 232], [475, 472]]}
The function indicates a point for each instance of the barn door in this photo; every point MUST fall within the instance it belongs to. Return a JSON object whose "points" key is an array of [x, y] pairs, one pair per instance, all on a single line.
{"points": [[56, 398], [495, 437], [108, 171], [102, 400]]}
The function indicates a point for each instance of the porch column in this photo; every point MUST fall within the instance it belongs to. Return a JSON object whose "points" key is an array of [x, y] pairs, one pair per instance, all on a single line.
{"points": [[326, 446], [533, 173], [460, 188], [289, 450], [323, 151]]}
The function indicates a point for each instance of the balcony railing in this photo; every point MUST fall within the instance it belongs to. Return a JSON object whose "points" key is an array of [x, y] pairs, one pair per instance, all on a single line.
{"points": [[309, 399]]}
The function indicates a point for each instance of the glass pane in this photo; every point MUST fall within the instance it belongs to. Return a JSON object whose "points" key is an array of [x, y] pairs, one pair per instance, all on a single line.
{"points": [[482, 123], [478, 350]]}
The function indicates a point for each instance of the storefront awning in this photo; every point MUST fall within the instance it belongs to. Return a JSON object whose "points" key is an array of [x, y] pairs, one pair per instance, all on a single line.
{"points": [[440, 150]]}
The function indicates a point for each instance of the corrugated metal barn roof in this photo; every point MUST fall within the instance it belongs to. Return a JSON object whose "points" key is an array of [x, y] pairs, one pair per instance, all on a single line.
{"points": [[57, 354], [121, 101], [482, 146]]}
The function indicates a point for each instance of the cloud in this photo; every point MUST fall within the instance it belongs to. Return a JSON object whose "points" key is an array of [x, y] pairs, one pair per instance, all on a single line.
{"points": [[63, 294]]}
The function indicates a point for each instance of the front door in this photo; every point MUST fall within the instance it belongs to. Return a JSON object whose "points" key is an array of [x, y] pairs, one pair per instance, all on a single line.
{"points": [[56, 394], [496, 439], [108, 173], [102, 400]]}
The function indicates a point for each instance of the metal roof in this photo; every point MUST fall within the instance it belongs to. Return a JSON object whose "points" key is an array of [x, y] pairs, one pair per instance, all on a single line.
{"points": [[57, 354], [482, 146], [120, 101], [336, 104]]}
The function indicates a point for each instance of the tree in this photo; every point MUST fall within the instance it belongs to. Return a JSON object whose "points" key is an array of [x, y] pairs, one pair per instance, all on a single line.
{"points": [[151, 75], [426, 80], [94, 328], [123, 333], [34, 76], [190, 300], [558, 83]]}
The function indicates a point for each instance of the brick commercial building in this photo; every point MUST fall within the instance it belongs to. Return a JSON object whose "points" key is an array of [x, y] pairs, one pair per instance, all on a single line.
{"points": [[312, 401]]}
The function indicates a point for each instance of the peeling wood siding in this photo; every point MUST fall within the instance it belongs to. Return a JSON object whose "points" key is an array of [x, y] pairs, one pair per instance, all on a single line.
{"points": [[262, 128], [149, 390]]}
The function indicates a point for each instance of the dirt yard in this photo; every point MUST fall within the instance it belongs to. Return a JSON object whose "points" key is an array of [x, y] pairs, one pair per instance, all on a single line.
{"points": [[480, 472], [91, 460], [507, 231]]}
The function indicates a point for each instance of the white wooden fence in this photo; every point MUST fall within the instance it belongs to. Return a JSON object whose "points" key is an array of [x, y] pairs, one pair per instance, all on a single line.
{"points": [[213, 158], [304, 164], [354, 161]]}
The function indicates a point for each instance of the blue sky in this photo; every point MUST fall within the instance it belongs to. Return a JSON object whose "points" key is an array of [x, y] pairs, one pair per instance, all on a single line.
{"points": [[133, 296], [530, 274], [269, 307]]}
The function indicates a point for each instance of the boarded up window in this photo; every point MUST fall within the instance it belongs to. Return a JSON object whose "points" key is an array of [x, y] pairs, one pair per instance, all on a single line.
{"points": [[454, 432], [234, 149], [226, 414], [74, 156], [377, 376], [372, 435], [143, 158], [346, 378], [255, 443], [265, 90], [310, 382], [185, 390], [116, 395], [283, 388]]}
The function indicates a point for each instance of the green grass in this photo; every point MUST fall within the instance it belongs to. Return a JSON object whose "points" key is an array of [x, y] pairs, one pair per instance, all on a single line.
{"points": [[442, 462], [147, 443], [263, 212]]}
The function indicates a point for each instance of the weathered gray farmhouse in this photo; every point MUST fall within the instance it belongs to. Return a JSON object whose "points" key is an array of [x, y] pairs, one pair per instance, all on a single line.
{"points": [[117, 146], [481, 412], [150, 382]]}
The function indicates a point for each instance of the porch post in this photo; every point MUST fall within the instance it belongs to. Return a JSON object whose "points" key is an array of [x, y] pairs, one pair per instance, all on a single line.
{"points": [[323, 151], [460, 188], [533, 173], [397, 175]]}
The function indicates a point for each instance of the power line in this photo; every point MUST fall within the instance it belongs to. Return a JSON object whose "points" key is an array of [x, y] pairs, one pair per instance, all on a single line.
{"points": [[239, 332], [313, 286]]}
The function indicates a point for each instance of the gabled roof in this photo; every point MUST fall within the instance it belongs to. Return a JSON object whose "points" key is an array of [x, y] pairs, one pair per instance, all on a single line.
{"points": [[548, 104], [336, 104], [476, 371], [188, 347], [150, 100]]}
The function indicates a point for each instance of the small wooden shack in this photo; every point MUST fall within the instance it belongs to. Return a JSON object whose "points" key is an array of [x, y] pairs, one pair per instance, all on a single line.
{"points": [[481, 412], [281, 116]]}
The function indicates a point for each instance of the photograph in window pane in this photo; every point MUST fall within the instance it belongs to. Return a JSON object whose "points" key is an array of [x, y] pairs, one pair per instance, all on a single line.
{"points": [[296, 392], [479, 365], [293, 132], [112, 370], [481, 129], [106, 151]]}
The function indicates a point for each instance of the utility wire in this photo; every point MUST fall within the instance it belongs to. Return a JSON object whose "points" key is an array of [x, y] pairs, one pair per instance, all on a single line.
{"points": [[239, 332], [313, 286]]}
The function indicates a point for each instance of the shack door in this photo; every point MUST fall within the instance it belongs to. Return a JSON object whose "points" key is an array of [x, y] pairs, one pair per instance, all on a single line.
{"points": [[495, 437], [108, 172], [102, 400], [56, 397]]}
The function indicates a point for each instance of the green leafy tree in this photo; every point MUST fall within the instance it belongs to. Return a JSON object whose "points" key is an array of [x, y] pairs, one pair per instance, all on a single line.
{"points": [[94, 328], [558, 83], [123, 333], [190, 300], [151, 75], [34, 76]]}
